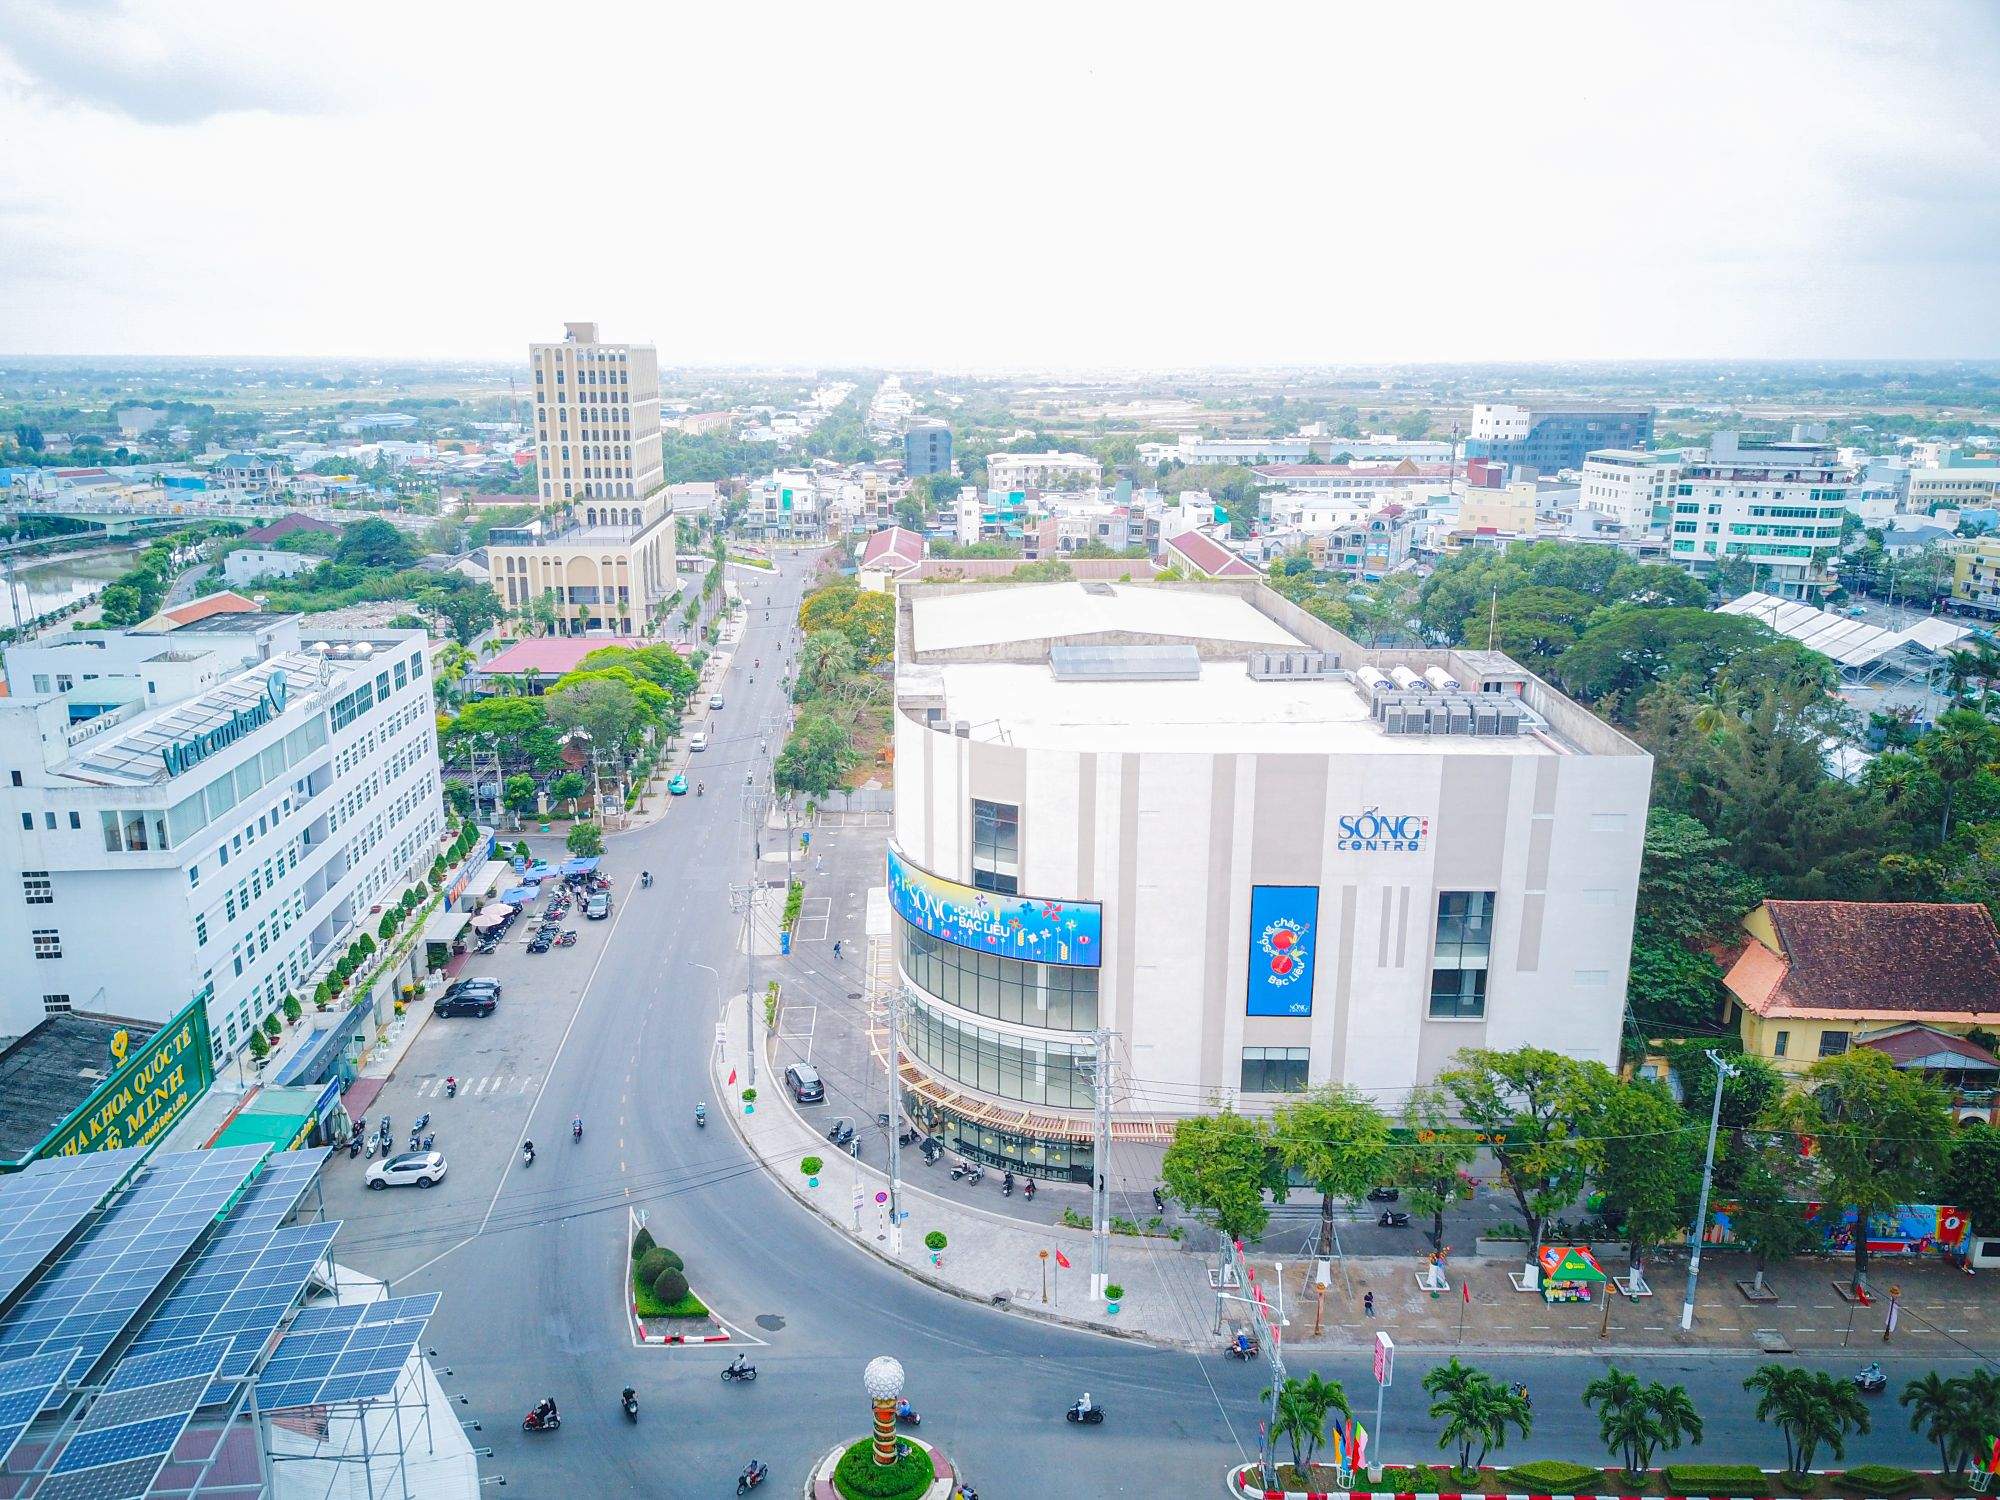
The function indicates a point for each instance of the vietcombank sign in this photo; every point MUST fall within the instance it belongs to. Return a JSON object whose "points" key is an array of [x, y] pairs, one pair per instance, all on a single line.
{"points": [[137, 1103]]}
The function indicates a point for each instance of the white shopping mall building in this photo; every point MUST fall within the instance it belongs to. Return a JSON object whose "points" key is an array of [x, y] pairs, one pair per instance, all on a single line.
{"points": [[1253, 854], [200, 812]]}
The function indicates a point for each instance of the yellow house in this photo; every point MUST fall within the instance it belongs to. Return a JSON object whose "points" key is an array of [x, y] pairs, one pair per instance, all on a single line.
{"points": [[1818, 977]]}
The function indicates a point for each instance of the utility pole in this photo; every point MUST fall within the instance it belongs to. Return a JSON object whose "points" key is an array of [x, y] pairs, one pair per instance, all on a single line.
{"points": [[1237, 1272], [1100, 1194], [1722, 1071], [745, 896], [895, 1120]]}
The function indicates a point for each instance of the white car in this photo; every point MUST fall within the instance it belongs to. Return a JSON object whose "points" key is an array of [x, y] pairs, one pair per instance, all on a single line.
{"points": [[699, 740], [421, 1167], [715, 700]]}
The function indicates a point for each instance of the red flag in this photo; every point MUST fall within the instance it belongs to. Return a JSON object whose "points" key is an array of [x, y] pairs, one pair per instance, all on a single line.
{"points": [[1062, 1260], [732, 1076], [1465, 1290]]}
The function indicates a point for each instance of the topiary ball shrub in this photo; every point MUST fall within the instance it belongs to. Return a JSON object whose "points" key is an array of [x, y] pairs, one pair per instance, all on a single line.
{"points": [[649, 1267], [858, 1477], [670, 1286], [674, 1260], [641, 1243]]}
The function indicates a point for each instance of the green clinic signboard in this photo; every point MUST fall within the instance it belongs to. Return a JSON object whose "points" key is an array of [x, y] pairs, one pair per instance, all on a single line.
{"points": [[156, 1085]]}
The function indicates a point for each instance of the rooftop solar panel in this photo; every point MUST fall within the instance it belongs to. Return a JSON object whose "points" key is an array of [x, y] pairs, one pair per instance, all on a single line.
{"points": [[43, 1205], [103, 1280], [344, 1352], [276, 1190], [240, 1289], [25, 1386], [130, 1430]]}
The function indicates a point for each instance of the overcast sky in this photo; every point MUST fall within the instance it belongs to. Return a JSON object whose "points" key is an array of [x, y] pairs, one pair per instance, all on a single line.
{"points": [[1083, 184]]}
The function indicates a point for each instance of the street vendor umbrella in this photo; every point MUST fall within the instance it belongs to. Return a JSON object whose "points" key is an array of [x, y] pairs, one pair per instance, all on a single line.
{"points": [[1569, 1263], [520, 895], [493, 916]]}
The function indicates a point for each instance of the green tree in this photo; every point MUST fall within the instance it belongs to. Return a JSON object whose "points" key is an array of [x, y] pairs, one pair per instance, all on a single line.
{"points": [[1540, 1114], [1882, 1136], [374, 543], [1773, 1186], [458, 798], [1430, 1166], [816, 756], [606, 708], [518, 793], [1670, 988], [1959, 1415], [1689, 892], [1337, 1141], [1637, 1419], [1535, 625], [1218, 1167], [1476, 1411], [585, 841], [1652, 1163], [1625, 650], [567, 788], [1972, 1179], [1303, 1407], [1964, 743], [1812, 1408], [460, 607]]}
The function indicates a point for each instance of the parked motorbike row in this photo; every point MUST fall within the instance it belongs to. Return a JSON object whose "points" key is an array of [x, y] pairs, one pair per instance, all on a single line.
{"points": [[382, 1140]]}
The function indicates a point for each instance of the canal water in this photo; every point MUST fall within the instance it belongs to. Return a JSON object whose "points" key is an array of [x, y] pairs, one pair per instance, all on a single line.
{"points": [[38, 586]]}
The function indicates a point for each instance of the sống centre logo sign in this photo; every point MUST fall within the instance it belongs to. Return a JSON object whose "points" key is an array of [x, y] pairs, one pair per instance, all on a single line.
{"points": [[1377, 832], [184, 755]]}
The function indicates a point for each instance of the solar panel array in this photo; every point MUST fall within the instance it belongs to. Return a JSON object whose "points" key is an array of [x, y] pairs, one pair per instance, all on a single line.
{"points": [[275, 1191], [347, 1352], [130, 1430], [240, 1290], [43, 1204], [25, 1385], [93, 1293]]}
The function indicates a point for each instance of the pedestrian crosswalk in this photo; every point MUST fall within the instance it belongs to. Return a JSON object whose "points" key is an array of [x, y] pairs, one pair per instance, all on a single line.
{"points": [[493, 1085]]}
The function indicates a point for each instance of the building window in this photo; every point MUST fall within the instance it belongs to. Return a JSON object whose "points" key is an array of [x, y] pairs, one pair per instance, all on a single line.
{"points": [[996, 847], [55, 1005], [1833, 1043], [1781, 1043], [36, 888], [1061, 997], [48, 942], [1459, 956], [1274, 1070]]}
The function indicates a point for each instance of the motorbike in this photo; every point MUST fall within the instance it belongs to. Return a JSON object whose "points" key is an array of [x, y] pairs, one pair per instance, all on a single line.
{"points": [[527, 1156], [541, 1421], [566, 939], [701, 1117], [430, 1140], [540, 943], [842, 1131], [971, 1171], [451, 1088], [1007, 1184], [1242, 1348], [1383, 1195], [752, 1476], [646, 879], [353, 1146], [576, 1130], [1393, 1218], [1089, 1416], [909, 1419], [1870, 1380], [629, 1399], [737, 1370], [1520, 1389], [1028, 1189], [701, 788]]}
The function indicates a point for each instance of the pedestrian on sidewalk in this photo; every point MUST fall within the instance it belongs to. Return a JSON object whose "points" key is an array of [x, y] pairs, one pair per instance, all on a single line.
{"points": [[1368, 1303], [836, 947]]}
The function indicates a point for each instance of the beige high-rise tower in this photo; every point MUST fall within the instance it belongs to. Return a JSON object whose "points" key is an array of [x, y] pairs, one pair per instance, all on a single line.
{"points": [[597, 417]]}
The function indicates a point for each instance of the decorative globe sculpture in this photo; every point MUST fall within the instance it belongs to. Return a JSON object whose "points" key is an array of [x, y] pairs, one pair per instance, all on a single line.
{"points": [[883, 1380]]}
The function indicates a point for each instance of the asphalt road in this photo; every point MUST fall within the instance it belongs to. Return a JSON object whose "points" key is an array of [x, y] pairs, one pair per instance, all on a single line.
{"points": [[617, 1030]]}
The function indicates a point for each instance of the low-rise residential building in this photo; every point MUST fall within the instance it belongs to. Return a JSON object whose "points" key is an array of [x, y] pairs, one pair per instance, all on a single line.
{"points": [[1819, 977], [1363, 484], [1631, 487], [1960, 486], [1975, 576], [202, 814], [1504, 512], [246, 565], [1776, 505], [787, 504], [248, 476], [1041, 471], [1366, 548], [606, 565]]}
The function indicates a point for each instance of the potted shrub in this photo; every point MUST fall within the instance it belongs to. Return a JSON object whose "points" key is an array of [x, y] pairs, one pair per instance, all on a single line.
{"points": [[259, 1048], [293, 1010], [810, 1166], [273, 1026], [935, 1243], [1113, 1295]]}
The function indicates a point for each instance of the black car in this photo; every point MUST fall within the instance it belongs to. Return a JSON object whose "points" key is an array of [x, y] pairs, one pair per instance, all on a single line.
{"points": [[460, 987], [597, 905], [476, 1003], [804, 1082]]}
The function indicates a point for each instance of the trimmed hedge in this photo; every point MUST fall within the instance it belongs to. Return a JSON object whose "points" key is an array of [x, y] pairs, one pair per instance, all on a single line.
{"points": [[859, 1477], [1718, 1479], [1881, 1479], [670, 1286], [650, 1267], [674, 1261], [1553, 1476], [641, 1243]]}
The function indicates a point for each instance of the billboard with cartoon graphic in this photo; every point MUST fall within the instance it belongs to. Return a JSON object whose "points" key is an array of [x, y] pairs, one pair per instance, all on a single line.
{"points": [[1036, 929], [1284, 949]]}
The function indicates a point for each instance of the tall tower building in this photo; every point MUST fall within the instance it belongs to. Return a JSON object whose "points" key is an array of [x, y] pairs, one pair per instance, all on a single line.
{"points": [[597, 417]]}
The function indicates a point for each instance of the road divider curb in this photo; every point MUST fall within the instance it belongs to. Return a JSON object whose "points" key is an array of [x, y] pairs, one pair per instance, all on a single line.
{"points": [[1243, 1480]]}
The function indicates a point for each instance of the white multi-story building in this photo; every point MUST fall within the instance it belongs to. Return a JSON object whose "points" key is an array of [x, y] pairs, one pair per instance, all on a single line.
{"points": [[1358, 484], [787, 503], [202, 813], [1254, 855], [1956, 487], [597, 417], [1777, 505], [1041, 471], [1630, 487]]}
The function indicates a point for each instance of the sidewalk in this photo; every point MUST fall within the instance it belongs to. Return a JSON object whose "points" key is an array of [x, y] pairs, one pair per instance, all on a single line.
{"points": [[987, 1258]]}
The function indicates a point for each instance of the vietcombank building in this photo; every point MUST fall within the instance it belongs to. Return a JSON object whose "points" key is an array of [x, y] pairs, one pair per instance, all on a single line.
{"points": [[1246, 853]]}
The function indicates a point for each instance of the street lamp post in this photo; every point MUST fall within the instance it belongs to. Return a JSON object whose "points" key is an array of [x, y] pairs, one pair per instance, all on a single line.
{"points": [[1722, 1071]]}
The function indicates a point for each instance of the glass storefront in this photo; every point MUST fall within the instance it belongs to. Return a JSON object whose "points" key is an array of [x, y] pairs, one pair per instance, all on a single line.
{"points": [[1058, 996], [1000, 1064], [1003, 1150]]}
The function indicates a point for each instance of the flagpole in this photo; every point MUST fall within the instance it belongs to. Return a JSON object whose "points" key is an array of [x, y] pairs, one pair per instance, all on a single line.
{"points": [[1464, 1301]]}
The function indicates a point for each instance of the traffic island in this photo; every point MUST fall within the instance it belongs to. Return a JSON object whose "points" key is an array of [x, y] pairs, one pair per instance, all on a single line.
{"points": [[1555, 1478], [664, 1308], [849, 1472]]}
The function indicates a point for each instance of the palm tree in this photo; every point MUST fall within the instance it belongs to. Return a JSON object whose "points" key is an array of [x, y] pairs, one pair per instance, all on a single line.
{"points": [[1811, 1407], [1934, 1408], [1476, 1410], [1638, 1420], [1960, 669], [1303, 1407]]}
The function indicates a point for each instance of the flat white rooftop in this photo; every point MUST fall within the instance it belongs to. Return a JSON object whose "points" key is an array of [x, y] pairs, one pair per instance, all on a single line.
{"points": [[1224, 711], [1032, 612]]}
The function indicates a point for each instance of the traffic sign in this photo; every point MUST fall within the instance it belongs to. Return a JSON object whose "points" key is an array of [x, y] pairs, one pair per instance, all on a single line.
{"points": [[1385, 1359]]}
